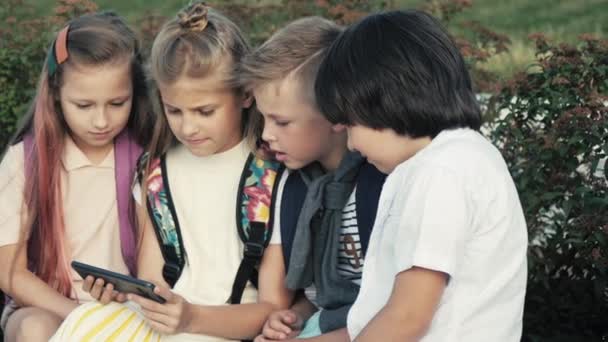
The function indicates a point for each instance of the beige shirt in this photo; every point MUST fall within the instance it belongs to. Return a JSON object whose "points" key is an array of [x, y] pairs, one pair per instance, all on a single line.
{"points": [[89, 206], [204, 193]]}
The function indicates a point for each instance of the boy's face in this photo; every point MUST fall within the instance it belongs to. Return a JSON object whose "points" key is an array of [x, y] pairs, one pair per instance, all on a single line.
{"points": [[293, 128], [384, 148]]}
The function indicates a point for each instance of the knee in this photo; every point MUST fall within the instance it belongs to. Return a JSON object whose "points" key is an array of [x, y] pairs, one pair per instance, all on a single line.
{"points": [[37, 326]]}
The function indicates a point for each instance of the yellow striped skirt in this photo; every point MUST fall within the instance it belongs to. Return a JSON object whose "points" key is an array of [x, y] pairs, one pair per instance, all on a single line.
{"points": [[112, 322]]}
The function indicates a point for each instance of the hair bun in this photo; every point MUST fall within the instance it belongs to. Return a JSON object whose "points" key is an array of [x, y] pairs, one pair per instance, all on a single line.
{"points": [[194, 17]]}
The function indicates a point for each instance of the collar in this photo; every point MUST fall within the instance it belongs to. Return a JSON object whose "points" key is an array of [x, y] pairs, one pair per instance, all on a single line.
{"points": [[73, 158]]}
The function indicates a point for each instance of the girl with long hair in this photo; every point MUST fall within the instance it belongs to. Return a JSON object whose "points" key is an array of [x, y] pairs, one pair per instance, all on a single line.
{"points": [[64, 179]]}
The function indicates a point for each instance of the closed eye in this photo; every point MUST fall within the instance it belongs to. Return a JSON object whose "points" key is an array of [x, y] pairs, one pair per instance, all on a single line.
{"points": [[118, 104], [206, 112], [172, 111], [83, 105]]}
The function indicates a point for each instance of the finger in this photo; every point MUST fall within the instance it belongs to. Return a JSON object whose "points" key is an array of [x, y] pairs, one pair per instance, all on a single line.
{"points": [[97, 288], [288, 317], [165, 323], [260, 338], [279, 326], [87, 284], [166, 294], [106, 295], [294, 334], [120, 297], [159, 327], [272, 334], [146, 303]]}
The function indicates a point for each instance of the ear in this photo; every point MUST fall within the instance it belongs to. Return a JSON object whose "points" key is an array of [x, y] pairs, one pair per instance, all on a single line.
{"points": [[247, 99], [338, 128]]}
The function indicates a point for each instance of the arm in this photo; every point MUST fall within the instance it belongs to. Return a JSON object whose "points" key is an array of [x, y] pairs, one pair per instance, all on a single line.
{"points": [[150, 260], [25, 287], [15, 278], [150, 263], [408, 313], [410, 308], [303, 307], [242, 321], [340, 335], [246, 320]]}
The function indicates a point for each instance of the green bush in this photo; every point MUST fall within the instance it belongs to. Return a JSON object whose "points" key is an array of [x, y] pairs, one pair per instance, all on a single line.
{"points": [[553, 132], [24, 44]]}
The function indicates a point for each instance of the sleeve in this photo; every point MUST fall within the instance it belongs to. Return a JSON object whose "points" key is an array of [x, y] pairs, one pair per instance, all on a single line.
{"points": [[136, 192], [12, 183], [435, 223], [276, 225]]}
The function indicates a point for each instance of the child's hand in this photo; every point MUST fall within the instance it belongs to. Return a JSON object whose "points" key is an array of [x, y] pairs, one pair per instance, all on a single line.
{"points": [[172, 317], [103, 294], [281, 325]]}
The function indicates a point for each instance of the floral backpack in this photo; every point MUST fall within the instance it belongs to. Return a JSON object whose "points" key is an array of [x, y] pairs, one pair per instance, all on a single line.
{"points": [[255, 195]]}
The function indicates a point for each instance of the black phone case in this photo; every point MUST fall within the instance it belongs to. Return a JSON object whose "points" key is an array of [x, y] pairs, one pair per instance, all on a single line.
{"points": [[122, 283]]}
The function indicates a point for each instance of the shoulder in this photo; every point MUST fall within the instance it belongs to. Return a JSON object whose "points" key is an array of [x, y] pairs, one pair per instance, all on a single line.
{"points": [[13, 159], [461, 152]]}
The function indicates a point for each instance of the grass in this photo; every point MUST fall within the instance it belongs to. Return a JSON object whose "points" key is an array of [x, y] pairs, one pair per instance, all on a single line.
{"points": [[561, 20]]}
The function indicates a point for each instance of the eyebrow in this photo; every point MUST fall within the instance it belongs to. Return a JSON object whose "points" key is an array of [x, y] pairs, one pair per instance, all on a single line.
{"points": [[118, 98], [203, 107], [276, 117]]}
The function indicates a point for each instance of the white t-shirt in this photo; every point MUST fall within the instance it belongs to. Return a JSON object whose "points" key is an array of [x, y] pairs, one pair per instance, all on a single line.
{"points": [[204, 191], [350, 254], [452, 207]]}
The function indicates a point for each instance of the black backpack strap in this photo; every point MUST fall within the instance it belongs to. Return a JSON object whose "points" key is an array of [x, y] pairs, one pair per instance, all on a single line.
{"points": [[164, 219], [292, 199], [254, 214], [252, 255], [369, 187]]}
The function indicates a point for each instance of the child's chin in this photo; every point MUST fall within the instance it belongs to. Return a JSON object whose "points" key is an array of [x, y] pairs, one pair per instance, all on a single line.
{"points": [[201, 152], [293, 165]]}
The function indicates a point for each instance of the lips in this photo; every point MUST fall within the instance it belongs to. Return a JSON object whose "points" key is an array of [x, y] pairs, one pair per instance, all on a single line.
{"points": [[280, 156], [196, 141], [101, 135]]}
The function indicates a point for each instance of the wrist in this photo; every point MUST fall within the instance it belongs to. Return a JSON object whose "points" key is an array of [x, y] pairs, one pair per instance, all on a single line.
{"points": [[190, 322], [68, 308]]}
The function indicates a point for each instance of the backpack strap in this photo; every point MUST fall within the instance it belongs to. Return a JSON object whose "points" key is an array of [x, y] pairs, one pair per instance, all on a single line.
{"points": [[292, 200], [164, 220], [126, 154], [369, 187], [254, 214]]}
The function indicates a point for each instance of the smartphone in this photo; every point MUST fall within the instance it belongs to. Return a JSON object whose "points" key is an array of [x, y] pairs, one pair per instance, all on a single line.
{"points": [[122, 283]]}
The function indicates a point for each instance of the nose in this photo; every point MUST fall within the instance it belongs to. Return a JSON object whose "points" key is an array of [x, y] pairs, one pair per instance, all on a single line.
{"points": [[189, 125], [267, 133], [100, 121]]}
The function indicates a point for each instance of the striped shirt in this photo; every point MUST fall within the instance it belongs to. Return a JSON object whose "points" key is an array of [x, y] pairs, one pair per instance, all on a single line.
{"points": [[350, 255]]}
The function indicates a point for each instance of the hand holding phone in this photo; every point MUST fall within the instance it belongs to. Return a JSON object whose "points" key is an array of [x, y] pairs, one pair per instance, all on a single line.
{"points": [[122, 283]]}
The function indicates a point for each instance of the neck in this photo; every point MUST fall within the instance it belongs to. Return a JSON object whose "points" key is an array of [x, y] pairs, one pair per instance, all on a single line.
{"points": [[336, 152], [95, 154]]}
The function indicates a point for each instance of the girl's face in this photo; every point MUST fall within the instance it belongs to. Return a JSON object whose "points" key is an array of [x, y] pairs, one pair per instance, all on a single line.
{"points": [[204, 115], [96, 104]]}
